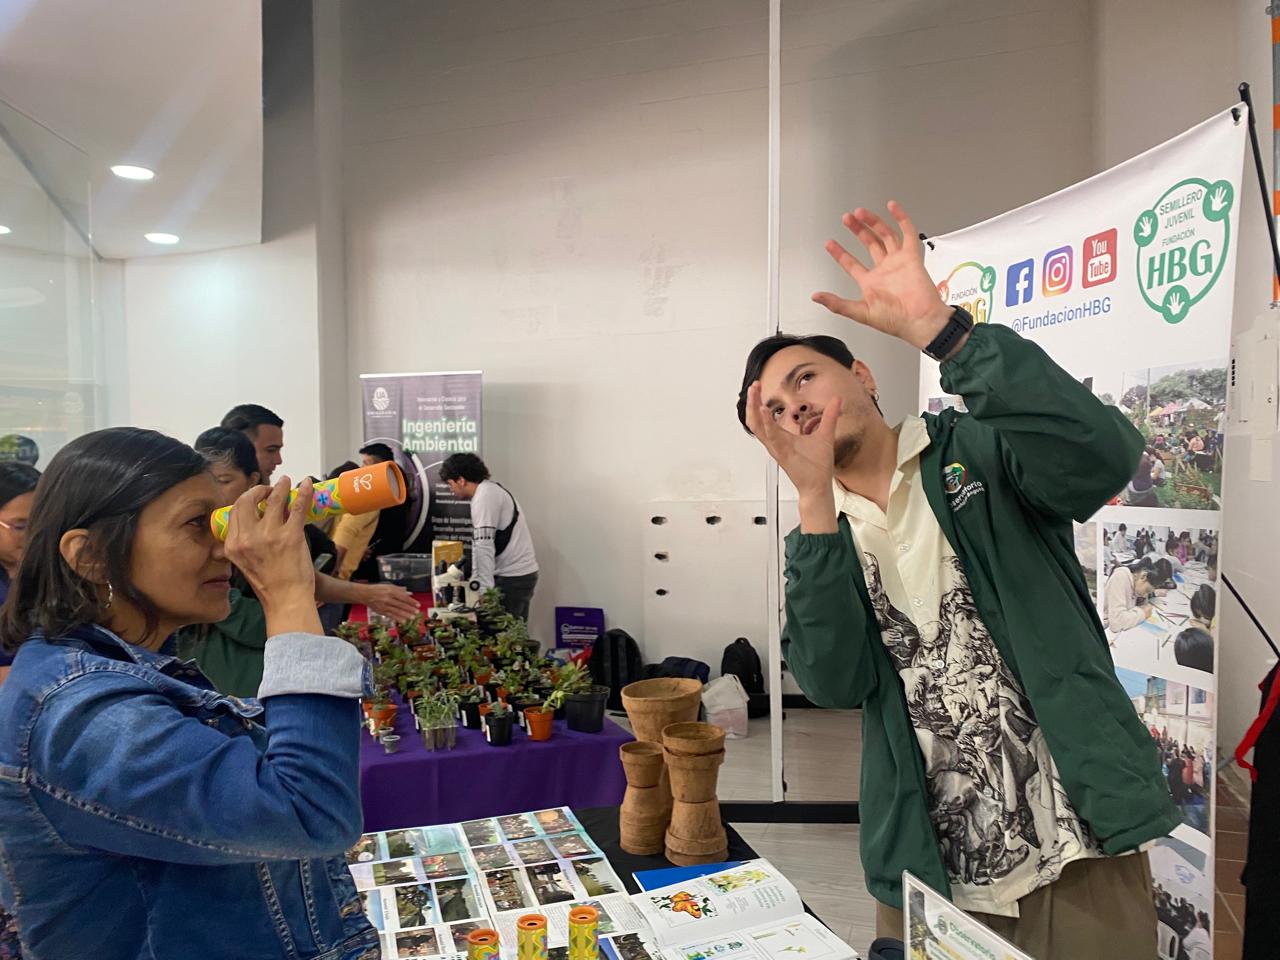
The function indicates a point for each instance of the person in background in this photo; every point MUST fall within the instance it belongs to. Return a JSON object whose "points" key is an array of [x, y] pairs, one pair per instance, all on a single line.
{"points": [[1194, 649], [142, 814], [264, 428], [1126, 598], [17, 494], [502, 548], [1204, 607], [266, 431], [362, 540], [1120, 540]]}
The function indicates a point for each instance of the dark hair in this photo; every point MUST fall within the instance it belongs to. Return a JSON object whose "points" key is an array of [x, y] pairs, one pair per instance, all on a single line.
{"points": [[222, 445], [248, 417], [1123, 527], [464, 466], [763, 352], [101, 482], [341, 469], [379, 450], [16, 479], [1204, 603], [1194, 649]]}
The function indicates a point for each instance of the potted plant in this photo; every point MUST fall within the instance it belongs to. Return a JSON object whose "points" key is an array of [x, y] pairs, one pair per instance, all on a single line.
{"points": [[498, 724], [469, 704], [538, 719], [584, 701], [439, 724], [384, 711]]}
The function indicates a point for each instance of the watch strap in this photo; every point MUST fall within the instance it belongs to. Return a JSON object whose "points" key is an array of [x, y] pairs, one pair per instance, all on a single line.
{"points": [[958, 324]]}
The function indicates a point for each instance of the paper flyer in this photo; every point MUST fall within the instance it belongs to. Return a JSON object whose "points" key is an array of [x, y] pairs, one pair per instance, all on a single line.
{"points": [[936, 929]]}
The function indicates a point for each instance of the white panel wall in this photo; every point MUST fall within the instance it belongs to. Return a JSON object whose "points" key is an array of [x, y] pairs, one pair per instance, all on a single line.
{"points": [[571, 196]]}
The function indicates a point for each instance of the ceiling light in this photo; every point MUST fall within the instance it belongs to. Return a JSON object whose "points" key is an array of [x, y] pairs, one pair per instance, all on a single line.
{"points": [[129, 172], [4, 230], [162, 237]]}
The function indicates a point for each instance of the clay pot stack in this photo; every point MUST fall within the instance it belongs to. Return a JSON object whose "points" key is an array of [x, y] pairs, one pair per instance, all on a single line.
{"points": [[652, 706], [693, 753]]}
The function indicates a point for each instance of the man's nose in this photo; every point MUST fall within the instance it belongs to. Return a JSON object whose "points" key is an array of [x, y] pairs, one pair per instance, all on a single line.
{"points": [[799, 412]]}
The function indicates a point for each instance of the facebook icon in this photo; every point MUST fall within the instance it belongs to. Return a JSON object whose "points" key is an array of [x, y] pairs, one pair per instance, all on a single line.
{"points": [[1017, 285]]}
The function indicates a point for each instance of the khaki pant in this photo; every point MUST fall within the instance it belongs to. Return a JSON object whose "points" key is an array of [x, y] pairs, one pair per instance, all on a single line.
{"points": [[1098, 908]]}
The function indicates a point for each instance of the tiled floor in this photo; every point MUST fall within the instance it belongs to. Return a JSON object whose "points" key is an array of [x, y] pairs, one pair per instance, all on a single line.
{"points": [[1230, 843], [821, 763]]}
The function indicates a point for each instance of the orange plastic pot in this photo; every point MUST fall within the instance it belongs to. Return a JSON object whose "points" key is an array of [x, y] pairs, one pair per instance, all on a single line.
{"points": [[385, 715], [539, 721]]}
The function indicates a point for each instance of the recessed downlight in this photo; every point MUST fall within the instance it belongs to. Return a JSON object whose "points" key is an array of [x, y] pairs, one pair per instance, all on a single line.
{"points": [[162, 238], [128, 171], [4, 230]]}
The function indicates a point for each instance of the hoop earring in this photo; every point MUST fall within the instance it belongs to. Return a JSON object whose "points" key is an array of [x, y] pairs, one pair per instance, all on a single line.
{"points": [[111, 595]]}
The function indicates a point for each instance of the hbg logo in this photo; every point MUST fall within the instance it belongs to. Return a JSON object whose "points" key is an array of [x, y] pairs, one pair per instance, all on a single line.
{"points": [[1056, 276]]}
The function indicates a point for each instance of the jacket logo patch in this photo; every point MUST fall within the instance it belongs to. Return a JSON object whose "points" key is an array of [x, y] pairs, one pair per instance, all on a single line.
{"points": [[960, 489], [953, 476]]}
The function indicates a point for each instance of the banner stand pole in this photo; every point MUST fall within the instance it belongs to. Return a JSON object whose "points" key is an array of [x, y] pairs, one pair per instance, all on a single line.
{"points": [[1262, 178]]}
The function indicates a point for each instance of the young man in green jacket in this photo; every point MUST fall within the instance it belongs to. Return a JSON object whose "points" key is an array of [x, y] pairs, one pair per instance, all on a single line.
{"points": [[933, 583]]}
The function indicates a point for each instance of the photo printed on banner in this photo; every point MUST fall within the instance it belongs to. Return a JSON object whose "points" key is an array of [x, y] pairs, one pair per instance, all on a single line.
{"points": [[572, 845], [1181, 413], [1160, 595], [491, 858], [460, 931], [533, 851], [481, 833], [597, 877], [417, 943], [1086, 540], [506, 890], [1180, 721], [1184, 897], [550, 883], [414, 905], [555, 821], [457, 900], [518, 827], [365, 851]]}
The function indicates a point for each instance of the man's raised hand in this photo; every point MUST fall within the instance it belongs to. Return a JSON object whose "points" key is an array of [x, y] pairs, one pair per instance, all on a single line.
{"points": [[898, 296]]}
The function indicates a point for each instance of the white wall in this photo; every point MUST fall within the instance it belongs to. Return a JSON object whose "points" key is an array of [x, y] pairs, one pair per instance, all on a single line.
{"points": [[209, 330], [1157, 76], [571, 196]]}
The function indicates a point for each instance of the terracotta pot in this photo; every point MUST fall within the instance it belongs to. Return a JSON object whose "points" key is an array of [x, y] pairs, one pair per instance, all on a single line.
{"points": [[643, 805], [539, 722], [697, 848], [643, 840], [697, 823], [693, 739], [642, 762], [384, 715], [693, 779], [482, 676], [368, 708], [684, 860], [654, 704]]}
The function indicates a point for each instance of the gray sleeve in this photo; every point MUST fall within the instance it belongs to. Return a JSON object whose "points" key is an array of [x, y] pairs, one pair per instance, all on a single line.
{"points": [[306, 663]]}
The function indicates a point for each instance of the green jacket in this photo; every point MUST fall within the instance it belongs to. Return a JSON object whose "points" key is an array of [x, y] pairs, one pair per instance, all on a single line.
{"points": [[230, 652], [1036, 450]]}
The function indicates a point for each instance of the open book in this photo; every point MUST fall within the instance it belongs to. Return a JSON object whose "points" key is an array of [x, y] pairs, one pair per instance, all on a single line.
{"points": [[749, 912]]}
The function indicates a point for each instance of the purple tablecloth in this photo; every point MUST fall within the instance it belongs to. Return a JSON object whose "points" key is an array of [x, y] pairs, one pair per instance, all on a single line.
{"points": [[417, 787]]}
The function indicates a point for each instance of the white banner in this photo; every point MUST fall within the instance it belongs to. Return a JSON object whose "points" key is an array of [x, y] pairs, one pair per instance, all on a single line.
{"points": [[1126, 280]]}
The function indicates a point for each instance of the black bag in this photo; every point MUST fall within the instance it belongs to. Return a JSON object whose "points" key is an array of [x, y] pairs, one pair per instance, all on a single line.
{"points": [[685, 667], [615, 662], [741, 660]]}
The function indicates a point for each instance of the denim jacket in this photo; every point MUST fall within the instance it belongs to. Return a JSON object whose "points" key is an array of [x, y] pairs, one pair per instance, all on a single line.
{"points": [[144, 815]]}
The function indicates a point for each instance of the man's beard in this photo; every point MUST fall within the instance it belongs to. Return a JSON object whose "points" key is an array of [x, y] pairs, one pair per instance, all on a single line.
{"points": [[846, 450]]}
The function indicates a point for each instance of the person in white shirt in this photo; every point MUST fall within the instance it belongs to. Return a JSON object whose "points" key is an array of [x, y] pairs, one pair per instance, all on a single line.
{"points": [[1197, 944], [501, 547]]}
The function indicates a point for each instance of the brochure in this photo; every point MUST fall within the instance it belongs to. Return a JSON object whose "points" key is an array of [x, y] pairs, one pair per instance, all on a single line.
{"points": [[935, 927], [748, 912]]}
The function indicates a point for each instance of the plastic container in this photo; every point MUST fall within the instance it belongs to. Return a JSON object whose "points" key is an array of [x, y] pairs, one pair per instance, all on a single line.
{"points": [[409, 570]]}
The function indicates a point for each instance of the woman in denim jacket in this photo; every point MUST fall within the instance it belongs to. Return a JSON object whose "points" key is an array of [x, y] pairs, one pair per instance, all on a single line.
{"points": [[142, 814]]}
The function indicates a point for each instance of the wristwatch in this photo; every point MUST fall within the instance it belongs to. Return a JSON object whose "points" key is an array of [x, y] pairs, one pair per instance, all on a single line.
{"points": [[958, 324]]}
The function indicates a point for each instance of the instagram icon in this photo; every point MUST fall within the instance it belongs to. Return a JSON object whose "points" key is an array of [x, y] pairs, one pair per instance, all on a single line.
{"points": [[1056, 277]]}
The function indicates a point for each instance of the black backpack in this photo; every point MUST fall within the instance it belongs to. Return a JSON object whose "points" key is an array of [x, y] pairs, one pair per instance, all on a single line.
{"points": [[685, 667], [615, 662], [741, 660]]}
